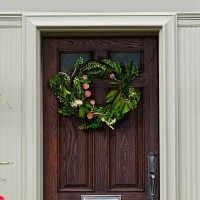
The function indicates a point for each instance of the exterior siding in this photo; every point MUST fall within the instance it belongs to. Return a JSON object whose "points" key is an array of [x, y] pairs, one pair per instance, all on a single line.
{"points": [[189, 112], [10, 118]]}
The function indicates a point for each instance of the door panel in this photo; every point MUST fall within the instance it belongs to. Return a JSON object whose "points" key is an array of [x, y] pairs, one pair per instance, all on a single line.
{"points": [[75, 157], [126, 153], [100, 161]]}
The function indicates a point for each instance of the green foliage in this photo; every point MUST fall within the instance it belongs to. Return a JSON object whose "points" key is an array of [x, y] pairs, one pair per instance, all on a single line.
{"points": [[102, 69], [87, 104], [111, 96], [83, 112], [78, 89], [95, 125], [66, 110], [84, 81], [78, 63], [114, 83], [69, 90]]}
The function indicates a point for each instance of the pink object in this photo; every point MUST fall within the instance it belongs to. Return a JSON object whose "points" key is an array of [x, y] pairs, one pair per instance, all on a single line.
{"points": [[92, 102], [112, 76], [87, 93], [1, 198], [90, 115], [85, 76], [86, 86]]}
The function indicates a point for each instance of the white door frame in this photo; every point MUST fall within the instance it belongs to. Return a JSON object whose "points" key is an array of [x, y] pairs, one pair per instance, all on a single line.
{"points": [[34, 24]]}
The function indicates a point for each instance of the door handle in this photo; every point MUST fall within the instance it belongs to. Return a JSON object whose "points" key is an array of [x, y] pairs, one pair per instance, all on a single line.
{"points": [[152, 176]]}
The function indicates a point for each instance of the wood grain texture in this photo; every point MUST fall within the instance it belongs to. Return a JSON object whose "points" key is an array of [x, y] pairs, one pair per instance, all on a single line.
{"points": [[127, 153], [76, 156], [101, 161]]}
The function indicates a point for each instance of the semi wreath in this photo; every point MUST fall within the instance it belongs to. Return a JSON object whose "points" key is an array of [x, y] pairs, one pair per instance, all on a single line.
{"points": [[73, 92]]}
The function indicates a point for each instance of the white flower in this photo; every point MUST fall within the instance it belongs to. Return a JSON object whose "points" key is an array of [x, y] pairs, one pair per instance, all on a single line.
{"points": [[76, 102]]}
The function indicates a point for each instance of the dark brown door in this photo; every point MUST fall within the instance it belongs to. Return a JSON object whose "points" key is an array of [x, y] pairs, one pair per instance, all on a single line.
{"points": [[103, 162]]}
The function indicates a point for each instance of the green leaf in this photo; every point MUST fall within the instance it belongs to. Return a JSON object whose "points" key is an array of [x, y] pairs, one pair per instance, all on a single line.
{"points": [[135, 70], [95, 125], [98, 107], [87, 110], [87, 104], [125, 109], [78, 63], [66, 110], [116, 100], [114, 83], [64, 90], [85, 81], [81, 113], [111, 95], [72, 95], [121, 104], [117, 105], [127, 80], [84, 126], [126, 90]]}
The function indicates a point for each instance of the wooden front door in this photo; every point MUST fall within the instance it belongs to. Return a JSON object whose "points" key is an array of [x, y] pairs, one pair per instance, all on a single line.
{"points": [[100, 162]]}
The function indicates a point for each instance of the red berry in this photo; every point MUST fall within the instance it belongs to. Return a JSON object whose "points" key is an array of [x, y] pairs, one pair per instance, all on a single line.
{"points": [[86, 86], [90, 115], [87, 93], [85, 77], [92, 102], [112, 76]]}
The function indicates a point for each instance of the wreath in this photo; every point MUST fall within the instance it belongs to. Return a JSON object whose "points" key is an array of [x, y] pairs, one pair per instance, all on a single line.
{"points": [[74, 94]]}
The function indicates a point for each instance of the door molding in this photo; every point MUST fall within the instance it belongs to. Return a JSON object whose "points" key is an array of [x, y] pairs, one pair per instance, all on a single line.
{"points": [[188, 20], [33, 24], [10, 20]]}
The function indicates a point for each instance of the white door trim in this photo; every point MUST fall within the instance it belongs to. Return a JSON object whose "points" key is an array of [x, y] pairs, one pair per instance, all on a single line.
{"points": [[33, 24]]}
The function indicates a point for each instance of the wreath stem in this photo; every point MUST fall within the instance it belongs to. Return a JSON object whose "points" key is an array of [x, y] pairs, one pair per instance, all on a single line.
{"points": [[73, 73]]}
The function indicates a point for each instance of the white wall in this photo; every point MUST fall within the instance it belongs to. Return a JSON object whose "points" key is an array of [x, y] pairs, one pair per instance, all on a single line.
{"points": [[10, 118], [101, 5], [189, 112]]}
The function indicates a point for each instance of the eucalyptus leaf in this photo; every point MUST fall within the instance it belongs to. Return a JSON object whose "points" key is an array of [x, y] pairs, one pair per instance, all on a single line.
{"points": [[122, 101], [114, 83], [116, 100], [85, 81], [117, 106], [111, 96]]}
